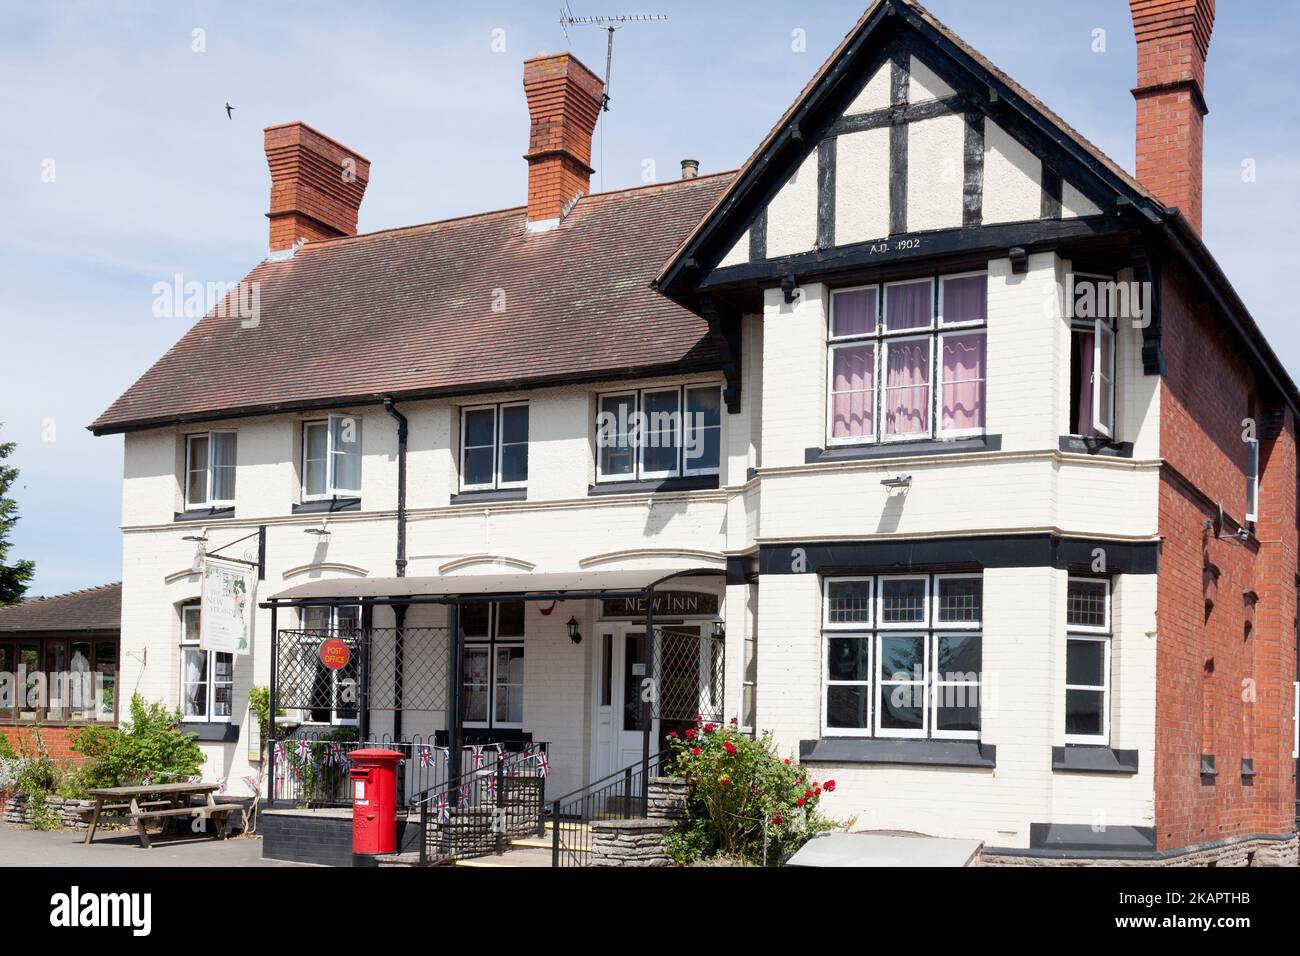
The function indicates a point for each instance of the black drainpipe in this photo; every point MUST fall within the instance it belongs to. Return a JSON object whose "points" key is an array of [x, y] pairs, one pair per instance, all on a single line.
{"points": [[399, 610]]}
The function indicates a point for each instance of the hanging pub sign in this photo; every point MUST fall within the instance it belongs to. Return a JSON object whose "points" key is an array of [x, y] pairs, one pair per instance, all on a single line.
{"points": [[228, 605], [335, 654], [666, 604]]}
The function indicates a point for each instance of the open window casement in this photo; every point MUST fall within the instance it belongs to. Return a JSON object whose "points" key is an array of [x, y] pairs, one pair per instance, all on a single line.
{"points": [[1252, 480], [1103, 378]]}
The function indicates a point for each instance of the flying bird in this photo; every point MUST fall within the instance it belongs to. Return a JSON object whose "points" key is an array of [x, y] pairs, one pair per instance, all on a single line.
{"points": [[229, 109]]}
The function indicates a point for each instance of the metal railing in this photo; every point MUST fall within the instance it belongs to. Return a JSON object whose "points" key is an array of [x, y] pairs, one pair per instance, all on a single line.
{"points": [[311, 767], [623, 795], [500, 796]]}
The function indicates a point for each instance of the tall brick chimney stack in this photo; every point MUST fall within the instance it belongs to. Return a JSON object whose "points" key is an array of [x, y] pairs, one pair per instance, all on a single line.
{"points": [[564, 99], [316, 185], [1173, 38]]}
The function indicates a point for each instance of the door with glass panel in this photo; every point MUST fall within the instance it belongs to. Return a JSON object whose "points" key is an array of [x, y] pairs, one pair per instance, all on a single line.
{"points": [[620, 673]]}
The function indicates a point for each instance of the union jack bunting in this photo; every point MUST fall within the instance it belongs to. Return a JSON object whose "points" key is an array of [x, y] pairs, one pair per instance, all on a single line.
{"points": [[251, 784], [337, 755], [489, 785], [543, 765], [427, 758], [501, 752], [464, 795], [221, 785], [528, 750], [478, 756], [447, 751], [444, 812], [304, 750], [280, 752], [147, 778]]}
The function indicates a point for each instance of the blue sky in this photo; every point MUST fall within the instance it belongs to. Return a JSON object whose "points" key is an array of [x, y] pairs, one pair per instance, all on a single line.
{"points": [[151, 179]]}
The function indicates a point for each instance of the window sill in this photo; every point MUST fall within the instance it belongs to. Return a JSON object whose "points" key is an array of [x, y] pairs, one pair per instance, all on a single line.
{"points": [[902, 449], [1102, 447], [1088, 758], [915, 752], [205, 514], [691, 483], [215, 732], [490, 495], [327, 506]]}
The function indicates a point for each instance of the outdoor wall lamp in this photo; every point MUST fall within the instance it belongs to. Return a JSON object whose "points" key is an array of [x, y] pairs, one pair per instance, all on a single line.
{"points": [[899, 481], [573, 631], [323, 530], [719, 630]]}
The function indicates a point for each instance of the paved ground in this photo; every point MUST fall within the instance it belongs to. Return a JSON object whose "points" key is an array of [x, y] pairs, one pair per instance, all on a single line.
{"points": [[63, 848]]}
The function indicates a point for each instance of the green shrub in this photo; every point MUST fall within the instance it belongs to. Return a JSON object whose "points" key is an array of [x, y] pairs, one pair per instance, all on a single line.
{"points": [[37, 776], [150, 743], [746, 801], [7, 751]]}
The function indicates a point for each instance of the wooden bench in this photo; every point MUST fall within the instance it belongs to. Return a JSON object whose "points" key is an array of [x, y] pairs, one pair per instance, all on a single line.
{"points": [[170, 801]]}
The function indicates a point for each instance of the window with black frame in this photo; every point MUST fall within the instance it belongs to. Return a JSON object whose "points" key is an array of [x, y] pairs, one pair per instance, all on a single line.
{"points": [[492, 664], [338, 687]]}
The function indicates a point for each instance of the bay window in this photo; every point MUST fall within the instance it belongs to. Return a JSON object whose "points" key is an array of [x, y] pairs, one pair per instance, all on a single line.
{"points": [[76, 684], [1087, 661], [654, 433], [492, 664], [331, 458], [207, 677], [210, 470], [907, 360], [902, 656], [494, 447]]}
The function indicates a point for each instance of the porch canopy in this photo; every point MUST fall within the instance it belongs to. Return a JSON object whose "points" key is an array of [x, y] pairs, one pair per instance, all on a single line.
{"points": [[465, 588]]}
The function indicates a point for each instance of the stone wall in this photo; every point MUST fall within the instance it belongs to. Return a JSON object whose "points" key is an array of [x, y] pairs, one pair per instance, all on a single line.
{"points": [[1228, 853], [641, 842], [74, 814]]}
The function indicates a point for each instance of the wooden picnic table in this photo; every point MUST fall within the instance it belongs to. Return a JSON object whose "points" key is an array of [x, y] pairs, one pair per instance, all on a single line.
{"points": [[169, 800]]}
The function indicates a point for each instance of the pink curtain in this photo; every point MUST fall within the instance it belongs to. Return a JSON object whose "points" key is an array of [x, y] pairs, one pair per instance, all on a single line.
{"points": [[1084, 342], [963, 381], [965, 299], [853, 392], [907, 387], [908, 306], [854, 313]]}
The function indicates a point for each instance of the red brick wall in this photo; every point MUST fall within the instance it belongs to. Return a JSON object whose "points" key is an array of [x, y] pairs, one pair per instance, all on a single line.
{"points": [[57, 740], [1222, 689]]}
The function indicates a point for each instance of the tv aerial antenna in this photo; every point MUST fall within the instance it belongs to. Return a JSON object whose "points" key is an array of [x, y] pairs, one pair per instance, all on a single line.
{"points": [[610, 24]]}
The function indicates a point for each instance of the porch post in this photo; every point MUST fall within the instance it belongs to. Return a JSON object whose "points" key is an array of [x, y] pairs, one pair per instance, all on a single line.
{"points": [[453, 717], [269, 742], [363, 690], [399, 641], [651, 698]]}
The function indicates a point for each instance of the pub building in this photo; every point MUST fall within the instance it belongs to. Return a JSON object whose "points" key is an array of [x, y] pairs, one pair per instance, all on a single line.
{"points": [[926, 478]]}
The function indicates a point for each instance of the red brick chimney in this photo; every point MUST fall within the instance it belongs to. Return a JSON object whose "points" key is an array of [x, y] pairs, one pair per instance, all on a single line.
{"points": [[1173, 38], [564, 99], [316, 185]]}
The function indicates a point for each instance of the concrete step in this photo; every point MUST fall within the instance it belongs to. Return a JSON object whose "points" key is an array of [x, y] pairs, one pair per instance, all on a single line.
{"points": [[522, 857]]}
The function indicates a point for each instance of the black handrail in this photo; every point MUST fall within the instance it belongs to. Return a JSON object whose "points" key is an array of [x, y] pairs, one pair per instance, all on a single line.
{"points": [[570, 814]]}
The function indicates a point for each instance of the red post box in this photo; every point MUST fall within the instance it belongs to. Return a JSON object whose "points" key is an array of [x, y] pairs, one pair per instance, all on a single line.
{"points": [[374, 800]]}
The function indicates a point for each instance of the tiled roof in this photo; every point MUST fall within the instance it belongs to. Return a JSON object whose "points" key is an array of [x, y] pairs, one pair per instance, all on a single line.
{"points": [[410, 312], [92, 609]]}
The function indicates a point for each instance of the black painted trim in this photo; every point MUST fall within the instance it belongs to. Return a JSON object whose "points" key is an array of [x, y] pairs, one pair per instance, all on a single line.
{"points": [[1052, 193], [957, 446], [329, 506], [758, 237], [918, 752], [204, 514], [488, 496], [1077, 758], [973, 171], [215, 732], [742, 568], [1102, 447], [899, 75], [1083, 836], [826, 160], [958, 553], [899, 113], [692, 483]]}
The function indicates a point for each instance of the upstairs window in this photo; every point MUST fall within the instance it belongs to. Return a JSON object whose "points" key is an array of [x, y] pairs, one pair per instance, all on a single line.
{"points": [[1251, 439], [494, 447], [210, 470], [1092, 358], [659, 433], [907, 360], [331, 458]]}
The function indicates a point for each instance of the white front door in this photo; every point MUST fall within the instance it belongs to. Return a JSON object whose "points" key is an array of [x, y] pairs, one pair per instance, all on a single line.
{"points": [[620, 669]]}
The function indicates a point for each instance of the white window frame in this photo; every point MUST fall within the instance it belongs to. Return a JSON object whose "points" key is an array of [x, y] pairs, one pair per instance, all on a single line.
{"points": [[831, 348], [496, 685], [883, 685], [686, 405], [490, 643], [937, 685], [936, 388], [881, 624], [870, 683], [209, 501], [1103, 327], [867, 625], [210, 690], [332, 489], [1083, 628], [898, 339], [883, 308], [498, 417], [1252, 480], [638, 406], [969, 323], [939, 625], [1105, 641]]}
